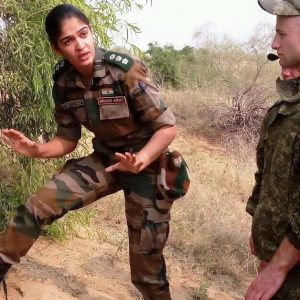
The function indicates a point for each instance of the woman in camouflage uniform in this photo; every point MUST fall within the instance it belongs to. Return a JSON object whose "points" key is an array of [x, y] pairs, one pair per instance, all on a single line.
{"points": [[110, 94]]}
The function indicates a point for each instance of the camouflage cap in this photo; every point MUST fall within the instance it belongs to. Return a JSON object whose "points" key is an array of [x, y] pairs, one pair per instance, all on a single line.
{"points": [[281, 7]]}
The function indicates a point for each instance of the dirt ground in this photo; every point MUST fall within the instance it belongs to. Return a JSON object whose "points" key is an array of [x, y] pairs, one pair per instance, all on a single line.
{"points": [[82, 269], [94, 266]]}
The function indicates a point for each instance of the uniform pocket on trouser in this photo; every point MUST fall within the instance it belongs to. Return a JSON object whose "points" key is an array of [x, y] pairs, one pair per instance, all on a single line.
{"points": [[150, 223], [163, 206], [154, 237]]}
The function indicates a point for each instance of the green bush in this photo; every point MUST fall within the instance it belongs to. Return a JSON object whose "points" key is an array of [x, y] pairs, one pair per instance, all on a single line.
{"points": [[26, 66]]}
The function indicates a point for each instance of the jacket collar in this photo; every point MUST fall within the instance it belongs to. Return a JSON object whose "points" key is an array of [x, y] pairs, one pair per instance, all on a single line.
{"points": [[289, 90], [73, 78]]}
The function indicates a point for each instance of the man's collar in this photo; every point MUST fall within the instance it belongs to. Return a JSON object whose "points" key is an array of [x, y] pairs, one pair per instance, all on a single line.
{"points": [[289, 90]]}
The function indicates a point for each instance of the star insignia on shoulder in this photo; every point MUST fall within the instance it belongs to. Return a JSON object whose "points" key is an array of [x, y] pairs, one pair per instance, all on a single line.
{"points": [[120, 60]]}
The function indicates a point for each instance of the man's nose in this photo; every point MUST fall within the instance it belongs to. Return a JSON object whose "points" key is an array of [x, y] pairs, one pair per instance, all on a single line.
{"points": [[275, 43]]}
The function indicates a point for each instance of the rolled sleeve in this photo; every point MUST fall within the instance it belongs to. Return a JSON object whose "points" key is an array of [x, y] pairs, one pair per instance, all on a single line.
{"points": [[68, 127], [147, 100], [165, 119], [151, 108]]}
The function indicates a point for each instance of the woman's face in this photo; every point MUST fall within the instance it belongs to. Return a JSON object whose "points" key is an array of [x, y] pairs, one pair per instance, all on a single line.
{"points": [[76, 44]]}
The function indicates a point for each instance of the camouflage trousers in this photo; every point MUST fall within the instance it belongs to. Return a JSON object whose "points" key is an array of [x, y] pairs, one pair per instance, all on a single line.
{"points": [[80, 183], [290, 289]]}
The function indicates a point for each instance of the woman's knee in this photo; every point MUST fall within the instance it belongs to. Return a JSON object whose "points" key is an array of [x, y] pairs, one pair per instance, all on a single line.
{"points": [[44, 206]]}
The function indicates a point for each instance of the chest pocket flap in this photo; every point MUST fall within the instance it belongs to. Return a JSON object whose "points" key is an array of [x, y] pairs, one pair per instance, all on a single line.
{"points": [[111, 108]]}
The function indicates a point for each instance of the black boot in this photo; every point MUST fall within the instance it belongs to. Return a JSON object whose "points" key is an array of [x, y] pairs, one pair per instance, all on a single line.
{"points": [[4, 267]]}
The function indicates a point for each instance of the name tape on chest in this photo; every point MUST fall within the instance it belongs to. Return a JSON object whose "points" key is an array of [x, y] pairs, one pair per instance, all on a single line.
{"points": [[111, 100], [74, 103]]}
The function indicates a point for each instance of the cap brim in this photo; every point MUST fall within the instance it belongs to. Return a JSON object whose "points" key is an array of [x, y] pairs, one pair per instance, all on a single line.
{"points": [[278, 7]]}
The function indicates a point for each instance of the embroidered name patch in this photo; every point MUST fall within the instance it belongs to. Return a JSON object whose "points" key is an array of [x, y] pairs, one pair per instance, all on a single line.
{"points": [[111, 100], [73, 103]]}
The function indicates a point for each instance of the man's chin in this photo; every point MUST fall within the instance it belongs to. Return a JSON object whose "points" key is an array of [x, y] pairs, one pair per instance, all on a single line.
{"points": [[284, 64], [289, 64]]}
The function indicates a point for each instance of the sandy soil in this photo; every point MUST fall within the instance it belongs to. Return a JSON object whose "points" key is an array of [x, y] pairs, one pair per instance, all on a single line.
{"points": [[94, 266], [84, 269]]}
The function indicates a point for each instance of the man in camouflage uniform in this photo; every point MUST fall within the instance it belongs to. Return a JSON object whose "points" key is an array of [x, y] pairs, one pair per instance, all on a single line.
{"points": [[123, 110], [275, 200]]}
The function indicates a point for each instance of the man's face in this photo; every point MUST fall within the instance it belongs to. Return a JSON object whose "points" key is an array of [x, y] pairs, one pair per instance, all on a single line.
{"points": [[287, 41]]}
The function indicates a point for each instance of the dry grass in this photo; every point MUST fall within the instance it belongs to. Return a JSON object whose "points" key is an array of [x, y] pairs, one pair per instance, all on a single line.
{"points": [[209, 227], [216, 115]]}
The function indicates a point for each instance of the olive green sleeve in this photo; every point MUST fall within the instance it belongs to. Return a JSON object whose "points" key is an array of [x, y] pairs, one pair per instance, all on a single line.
{"points": [[254, 198], [68, 127], [293, 229]]}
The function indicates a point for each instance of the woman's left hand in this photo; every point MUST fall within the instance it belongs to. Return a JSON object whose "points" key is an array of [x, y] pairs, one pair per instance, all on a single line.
{"points": [[127, 162], [19, 142]]}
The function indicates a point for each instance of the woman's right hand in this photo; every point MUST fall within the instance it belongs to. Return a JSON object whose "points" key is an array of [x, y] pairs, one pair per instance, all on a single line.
{"points": [[127, 162], [19, 142]]}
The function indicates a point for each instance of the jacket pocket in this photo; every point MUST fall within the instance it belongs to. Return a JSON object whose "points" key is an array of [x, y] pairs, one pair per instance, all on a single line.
{"points": [[111, 108]]}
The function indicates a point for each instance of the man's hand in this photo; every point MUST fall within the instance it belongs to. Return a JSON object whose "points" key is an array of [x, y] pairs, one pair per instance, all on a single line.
{"points": [[262, 265], [128, 162], [267, 283], [19, 142], [272, 275]]}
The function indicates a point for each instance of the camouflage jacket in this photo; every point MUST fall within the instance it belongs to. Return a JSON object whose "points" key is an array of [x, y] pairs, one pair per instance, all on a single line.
{"points": [[275, 200], [122, 107]]}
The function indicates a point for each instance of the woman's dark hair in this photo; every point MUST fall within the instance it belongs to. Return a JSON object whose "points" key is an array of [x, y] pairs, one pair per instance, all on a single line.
{"points": [[57, 15]]}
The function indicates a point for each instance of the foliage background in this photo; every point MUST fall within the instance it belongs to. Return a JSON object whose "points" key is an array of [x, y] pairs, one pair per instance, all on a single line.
{"points": [[26, 65]]}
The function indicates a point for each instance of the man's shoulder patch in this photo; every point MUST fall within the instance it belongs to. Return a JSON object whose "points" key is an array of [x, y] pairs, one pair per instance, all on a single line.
{"points": [[59, 68], [120, 60]]}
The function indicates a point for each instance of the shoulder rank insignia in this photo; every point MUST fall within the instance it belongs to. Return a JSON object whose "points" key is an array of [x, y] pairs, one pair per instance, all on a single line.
{"points": [[59, 68], [118, 59]]}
